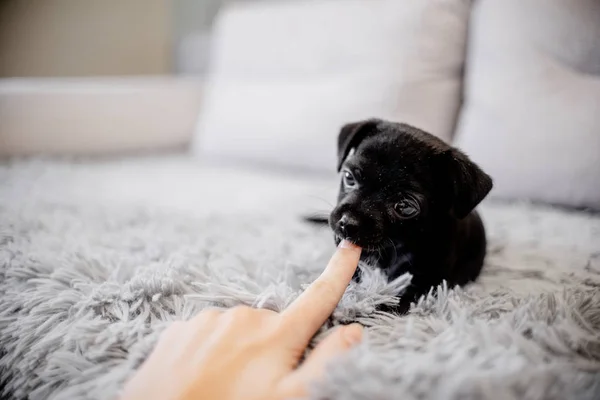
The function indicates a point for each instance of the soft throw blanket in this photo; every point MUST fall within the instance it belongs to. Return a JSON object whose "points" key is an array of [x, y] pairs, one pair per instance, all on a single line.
{"points": [[86, 286]]}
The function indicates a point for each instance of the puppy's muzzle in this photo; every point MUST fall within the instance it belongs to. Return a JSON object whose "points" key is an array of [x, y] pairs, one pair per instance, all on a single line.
{"points": [[347, 227]]}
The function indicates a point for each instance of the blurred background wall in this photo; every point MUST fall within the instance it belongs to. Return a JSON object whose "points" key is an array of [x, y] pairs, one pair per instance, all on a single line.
{"points": [[45, 38], [192, 23], [85, 38]]}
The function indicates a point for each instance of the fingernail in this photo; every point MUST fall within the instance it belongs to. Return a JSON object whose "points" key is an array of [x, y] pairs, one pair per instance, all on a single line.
{"points": [[353, 333], [345, 244]]}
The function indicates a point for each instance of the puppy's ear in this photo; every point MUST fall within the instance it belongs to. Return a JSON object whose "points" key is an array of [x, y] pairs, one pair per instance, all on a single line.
{"points": [[468, 184], [351, 135]]}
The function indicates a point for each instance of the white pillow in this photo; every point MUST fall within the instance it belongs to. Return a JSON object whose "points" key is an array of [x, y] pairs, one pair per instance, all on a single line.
{"points": [[532, 104], [285, 77]]}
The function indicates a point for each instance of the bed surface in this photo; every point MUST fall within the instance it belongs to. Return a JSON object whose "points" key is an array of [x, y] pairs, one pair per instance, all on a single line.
{"points": [[97, 256]]}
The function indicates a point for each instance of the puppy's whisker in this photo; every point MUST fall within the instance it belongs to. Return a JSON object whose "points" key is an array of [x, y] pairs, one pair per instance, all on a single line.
{"points": [[408, 261], [323, 200], [319, 213], [379, 256], [393, 250], [318, 218]]}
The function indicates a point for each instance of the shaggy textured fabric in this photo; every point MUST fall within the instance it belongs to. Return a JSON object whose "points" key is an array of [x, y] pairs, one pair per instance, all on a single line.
{"points": [[96, 259]]}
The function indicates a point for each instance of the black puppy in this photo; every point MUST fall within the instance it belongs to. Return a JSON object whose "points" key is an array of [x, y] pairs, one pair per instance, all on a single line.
{"points": [[408, 198]]}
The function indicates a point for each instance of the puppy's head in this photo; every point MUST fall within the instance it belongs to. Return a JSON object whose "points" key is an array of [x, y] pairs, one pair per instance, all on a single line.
{"points": [[396, 180]]}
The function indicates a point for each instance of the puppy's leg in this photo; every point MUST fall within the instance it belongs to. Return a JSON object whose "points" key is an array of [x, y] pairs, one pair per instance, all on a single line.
{"points": [[472, 250]]}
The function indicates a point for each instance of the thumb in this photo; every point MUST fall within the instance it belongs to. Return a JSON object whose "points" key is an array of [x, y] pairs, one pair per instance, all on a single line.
{"points": [[313, 368]]}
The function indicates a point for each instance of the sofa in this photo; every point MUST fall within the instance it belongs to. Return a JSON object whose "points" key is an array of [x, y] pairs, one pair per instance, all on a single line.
{"points": [[126, 203]]}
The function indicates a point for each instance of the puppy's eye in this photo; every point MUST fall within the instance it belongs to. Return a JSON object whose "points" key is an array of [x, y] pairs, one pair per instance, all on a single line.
{"points": [[406, 209], [349, 180]]}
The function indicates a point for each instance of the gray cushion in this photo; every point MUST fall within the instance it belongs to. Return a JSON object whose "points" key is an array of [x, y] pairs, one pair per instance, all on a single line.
{"points": [[531, 116], [285, 77]]}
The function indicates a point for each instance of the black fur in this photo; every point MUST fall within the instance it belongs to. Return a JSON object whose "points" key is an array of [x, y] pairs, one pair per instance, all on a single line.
{"points": [[411, 206]]}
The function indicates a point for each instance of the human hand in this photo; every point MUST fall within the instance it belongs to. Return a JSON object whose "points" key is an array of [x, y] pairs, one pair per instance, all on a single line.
{"points": [[248, 353]]}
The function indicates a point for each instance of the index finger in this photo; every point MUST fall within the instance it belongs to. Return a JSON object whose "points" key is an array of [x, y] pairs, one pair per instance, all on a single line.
{"points": [[312, 308]]}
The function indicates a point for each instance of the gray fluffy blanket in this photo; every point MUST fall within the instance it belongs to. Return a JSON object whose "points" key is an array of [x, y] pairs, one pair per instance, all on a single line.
{"points": [[86, 287]]}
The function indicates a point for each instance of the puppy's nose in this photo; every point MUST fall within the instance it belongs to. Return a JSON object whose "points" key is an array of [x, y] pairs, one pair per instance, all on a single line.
{"points": [[347, 226]]}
